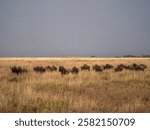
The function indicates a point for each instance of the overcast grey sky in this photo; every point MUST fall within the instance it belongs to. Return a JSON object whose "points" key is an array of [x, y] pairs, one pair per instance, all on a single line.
{"points": [[74, 27]]}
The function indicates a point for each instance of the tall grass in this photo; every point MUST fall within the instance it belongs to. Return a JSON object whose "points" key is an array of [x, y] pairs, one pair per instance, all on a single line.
{"points": [[107, 91]]}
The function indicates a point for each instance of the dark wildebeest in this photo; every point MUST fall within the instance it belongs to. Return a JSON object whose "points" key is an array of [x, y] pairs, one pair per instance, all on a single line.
{"points": [[120, 67], [53, 68], [107, 66], [130, 67], [85, 67], [39, 69], [97, 68], [127, 67], [133, 67], [18, 70], [62, 70], [74, 70], [140, 67]]}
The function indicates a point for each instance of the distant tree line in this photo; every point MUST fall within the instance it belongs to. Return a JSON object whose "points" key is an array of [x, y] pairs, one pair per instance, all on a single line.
{"points": [[144, 56], [137, 56]]}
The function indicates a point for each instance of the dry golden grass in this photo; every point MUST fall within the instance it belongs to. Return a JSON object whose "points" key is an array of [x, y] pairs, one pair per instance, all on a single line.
{"points": [[126, 91]]}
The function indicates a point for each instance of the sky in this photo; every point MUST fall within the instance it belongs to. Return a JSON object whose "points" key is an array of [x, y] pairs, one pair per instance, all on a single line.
{"points": [[55, 28]]}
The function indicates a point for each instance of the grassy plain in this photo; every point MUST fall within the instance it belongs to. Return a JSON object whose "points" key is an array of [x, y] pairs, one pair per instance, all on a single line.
{"points": [[107, 91]]}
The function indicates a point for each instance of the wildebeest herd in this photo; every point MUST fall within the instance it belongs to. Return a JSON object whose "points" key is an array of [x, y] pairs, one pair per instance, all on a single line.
{"points": [[74, 70]]}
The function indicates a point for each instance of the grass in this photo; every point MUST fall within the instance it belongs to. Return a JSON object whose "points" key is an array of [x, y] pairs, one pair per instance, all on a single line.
{"points": [[107, 91]]}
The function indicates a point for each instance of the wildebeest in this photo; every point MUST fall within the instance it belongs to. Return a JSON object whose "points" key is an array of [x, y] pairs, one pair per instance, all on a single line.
{"points": [[142, 66], [53, 68], [85, 67], [18, 70], [107, 66], [133, 67], [97, 68], [120, 67], [136, 67], [74, 70], [39, 69], [62, 70]]}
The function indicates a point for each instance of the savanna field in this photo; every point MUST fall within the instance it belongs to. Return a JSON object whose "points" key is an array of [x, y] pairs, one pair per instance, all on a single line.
{"points": [[87, 91]]}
